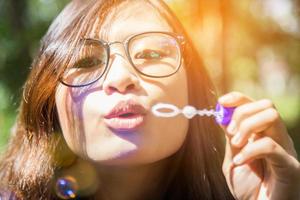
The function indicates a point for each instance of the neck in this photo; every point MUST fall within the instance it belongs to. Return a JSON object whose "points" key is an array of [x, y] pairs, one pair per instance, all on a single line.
{"points": [[133, 182]]}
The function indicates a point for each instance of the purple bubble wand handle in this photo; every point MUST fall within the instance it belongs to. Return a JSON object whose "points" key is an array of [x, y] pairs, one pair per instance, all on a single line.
{"points": [[222, 114]]}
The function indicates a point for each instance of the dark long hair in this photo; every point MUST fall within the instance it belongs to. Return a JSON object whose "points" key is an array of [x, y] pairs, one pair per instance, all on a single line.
{"points": [[37, 150]]}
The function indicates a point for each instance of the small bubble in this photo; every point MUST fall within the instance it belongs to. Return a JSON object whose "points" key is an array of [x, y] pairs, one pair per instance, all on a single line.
{"points": [[66, 187]]}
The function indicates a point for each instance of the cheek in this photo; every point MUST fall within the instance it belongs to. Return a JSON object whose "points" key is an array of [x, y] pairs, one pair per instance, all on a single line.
{"points": [[60, 99], [176, 89], [175, 129], [70, 119], [166, 136]]}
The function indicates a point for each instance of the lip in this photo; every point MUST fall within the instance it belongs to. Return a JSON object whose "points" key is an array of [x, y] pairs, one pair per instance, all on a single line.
{"points": [[126, 116]]}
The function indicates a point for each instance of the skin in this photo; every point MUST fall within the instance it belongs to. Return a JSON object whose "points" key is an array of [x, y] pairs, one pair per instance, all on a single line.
{"points": [[125, 161], [260, 161], [267, 167]]}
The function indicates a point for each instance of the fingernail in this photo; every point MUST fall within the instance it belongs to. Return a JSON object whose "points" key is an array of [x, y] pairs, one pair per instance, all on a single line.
{"points": [[238, 159], [231, 128], [225, 98], [236, 139]]}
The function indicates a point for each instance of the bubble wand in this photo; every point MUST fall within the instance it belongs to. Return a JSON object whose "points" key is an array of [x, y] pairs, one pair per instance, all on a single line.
{"points": [[222, 114]]}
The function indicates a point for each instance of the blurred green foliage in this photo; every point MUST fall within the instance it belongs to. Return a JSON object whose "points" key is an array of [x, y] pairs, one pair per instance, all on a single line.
{"points": [[252, 46], [22, 25]]}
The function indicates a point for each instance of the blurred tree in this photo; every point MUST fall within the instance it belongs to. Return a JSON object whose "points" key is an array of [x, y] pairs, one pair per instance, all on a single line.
{"points": [[22, 24], [15, 65]]}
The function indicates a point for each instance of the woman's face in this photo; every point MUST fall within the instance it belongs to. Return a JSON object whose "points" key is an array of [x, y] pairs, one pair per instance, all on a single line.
{"points": [[83, 112]]}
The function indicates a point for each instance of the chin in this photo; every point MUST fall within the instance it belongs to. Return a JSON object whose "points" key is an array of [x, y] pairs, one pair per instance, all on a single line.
{"points": [[128, 157]]}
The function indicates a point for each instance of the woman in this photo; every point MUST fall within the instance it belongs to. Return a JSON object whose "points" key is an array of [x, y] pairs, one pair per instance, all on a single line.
{"points": [[85, 129]]}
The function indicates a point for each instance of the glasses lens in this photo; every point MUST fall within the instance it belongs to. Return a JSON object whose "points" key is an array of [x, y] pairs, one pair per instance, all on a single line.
{"points": [[89, 65], [155, 54]]}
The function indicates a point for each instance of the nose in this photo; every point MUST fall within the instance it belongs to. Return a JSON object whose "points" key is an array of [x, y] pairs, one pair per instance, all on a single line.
{"points": [[121, 76]]}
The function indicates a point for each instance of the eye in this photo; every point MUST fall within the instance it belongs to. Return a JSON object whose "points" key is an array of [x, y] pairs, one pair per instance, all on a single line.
{"points": [[150, 54], [88, 62]]}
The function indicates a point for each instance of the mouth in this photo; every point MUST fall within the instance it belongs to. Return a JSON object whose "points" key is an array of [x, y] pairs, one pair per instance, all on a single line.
{"points": [[126, 116]]}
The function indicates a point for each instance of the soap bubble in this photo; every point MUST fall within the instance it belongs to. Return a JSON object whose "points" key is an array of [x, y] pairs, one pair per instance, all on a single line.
{"points": [[66, 187]]}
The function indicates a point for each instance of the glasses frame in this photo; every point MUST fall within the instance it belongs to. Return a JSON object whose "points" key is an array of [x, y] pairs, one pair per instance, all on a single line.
{"points": [[178, 38]]}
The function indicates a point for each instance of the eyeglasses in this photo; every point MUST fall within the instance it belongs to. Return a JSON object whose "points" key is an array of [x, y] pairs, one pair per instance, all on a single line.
{"points": [[152, 54]]}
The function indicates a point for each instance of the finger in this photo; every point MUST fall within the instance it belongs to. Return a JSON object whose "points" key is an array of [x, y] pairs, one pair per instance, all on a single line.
{"points": [[246, 110], [234, 99], [254, 124], [283, 167], [228, 165], [268, 149], [230, 151]]}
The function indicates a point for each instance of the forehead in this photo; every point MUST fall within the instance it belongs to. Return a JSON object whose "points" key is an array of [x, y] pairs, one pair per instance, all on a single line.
{"points": [[132, 18]]}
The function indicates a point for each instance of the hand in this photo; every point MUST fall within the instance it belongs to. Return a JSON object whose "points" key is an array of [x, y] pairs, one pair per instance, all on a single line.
{"points": [[260, 160]]}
